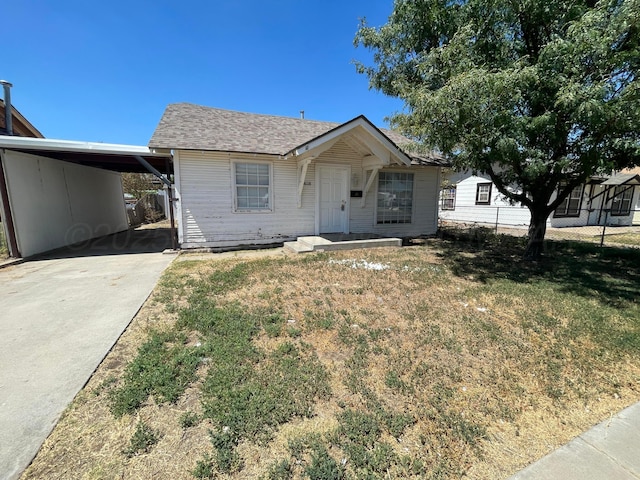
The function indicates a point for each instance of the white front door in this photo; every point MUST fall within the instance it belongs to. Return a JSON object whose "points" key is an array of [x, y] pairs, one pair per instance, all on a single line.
{"points": [[333, 199]]}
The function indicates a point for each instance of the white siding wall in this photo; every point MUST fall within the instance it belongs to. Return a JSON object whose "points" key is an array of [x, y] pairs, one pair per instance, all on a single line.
{"points": [[206, 202], [56, 203], [584, 217], [501, 211], [206, 216], [499, 208], [592, 214]]}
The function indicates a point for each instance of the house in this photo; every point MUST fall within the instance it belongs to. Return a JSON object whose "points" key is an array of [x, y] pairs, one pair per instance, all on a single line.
{"points": [[20, 126], [609, 200], [636, 214], [244, 178]]}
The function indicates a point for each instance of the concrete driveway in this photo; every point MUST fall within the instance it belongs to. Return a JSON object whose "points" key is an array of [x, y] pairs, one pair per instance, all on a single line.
{"points": [[59, 316]]}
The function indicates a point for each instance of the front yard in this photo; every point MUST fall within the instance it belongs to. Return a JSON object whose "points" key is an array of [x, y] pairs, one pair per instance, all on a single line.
{"points": [[442, 360]]}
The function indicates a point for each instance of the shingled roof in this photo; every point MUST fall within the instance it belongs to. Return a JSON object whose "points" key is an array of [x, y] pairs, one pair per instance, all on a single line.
{"points": [[185, 126]]}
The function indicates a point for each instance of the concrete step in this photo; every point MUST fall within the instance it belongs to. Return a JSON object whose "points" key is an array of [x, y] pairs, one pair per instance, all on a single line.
{"points": [[314, 242], [297, 247]]}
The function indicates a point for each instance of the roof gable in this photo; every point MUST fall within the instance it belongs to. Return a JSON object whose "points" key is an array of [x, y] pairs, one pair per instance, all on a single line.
{"points": [[367, 133]]}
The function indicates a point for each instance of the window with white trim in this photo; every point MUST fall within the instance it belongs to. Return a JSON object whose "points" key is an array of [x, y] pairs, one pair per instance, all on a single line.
{"points": [[395, 197], [570, 206], [252, 187], [621, 203], [448, 197]]}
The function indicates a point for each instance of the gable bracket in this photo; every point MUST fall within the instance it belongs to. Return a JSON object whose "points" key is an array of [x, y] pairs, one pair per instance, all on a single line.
{"points": [[317, 147], [374, 172]]}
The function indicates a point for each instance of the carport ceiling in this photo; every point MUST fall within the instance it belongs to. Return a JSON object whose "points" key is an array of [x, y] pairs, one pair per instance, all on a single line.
{"points": [[119, 158]]}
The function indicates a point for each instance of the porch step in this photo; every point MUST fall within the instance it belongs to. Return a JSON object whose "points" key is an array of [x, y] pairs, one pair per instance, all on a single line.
{"points": [[297, 247], [314, 244]]}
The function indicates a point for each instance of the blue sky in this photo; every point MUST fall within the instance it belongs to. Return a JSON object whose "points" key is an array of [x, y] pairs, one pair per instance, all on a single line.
{"points": [[105, 70]]}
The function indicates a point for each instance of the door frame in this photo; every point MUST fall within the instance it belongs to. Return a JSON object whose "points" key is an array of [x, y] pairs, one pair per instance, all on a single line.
{"points": [[346, 171]]}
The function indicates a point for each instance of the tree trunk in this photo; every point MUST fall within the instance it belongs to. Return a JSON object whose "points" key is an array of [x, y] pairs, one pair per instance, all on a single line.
{"points": [[537, 230]]}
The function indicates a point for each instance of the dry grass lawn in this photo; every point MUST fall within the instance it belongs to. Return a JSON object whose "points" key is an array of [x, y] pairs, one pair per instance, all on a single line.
{"points": [[440, 360]]}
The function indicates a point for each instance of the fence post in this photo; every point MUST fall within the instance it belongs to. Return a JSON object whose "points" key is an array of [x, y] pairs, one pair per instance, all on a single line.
{"points": [[604, 227], [497, 218]]}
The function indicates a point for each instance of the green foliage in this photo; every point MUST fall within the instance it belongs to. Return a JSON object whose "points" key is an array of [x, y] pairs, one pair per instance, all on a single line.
{"points": [[163, 367], [319, 320], [359, 427], [224, 444], [280, 470], [537, 95], [138, 184], [142, 440], [323, 466], [247, 397], [189, 419], [204, 469], [272, 324]]}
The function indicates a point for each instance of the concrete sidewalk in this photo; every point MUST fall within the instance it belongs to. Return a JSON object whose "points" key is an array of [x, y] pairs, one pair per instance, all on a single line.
{"points": [[610, 450]]}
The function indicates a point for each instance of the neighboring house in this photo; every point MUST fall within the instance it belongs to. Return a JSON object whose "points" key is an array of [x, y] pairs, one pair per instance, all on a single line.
{"points": [[475, 199], [636, 214], [244, 178], [20, 125]]}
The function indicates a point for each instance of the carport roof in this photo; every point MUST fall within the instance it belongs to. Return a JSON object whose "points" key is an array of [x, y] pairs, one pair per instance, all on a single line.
{"points": [[108, 156]]}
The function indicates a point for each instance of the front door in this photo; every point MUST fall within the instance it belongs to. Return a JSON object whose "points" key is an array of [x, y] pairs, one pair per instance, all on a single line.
{"points": [[333, 198]]}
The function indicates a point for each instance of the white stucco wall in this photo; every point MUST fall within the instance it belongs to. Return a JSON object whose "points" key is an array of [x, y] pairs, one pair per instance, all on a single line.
{"points": [[205, 207], [56, 203]]}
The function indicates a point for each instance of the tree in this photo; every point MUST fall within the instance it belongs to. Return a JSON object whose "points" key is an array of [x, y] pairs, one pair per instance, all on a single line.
{"points": [[539, 95], [138, 184]]}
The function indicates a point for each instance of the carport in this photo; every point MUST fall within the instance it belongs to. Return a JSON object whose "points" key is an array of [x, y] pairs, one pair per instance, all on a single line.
{"points": [[55, 193]]}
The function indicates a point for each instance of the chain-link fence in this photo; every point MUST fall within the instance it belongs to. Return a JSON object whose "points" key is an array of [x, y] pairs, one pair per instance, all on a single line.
{"points": [[601, 226]]}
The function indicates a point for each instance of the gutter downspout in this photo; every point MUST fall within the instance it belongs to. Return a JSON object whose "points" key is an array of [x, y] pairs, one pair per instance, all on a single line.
{"points": [[8, 113]]}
